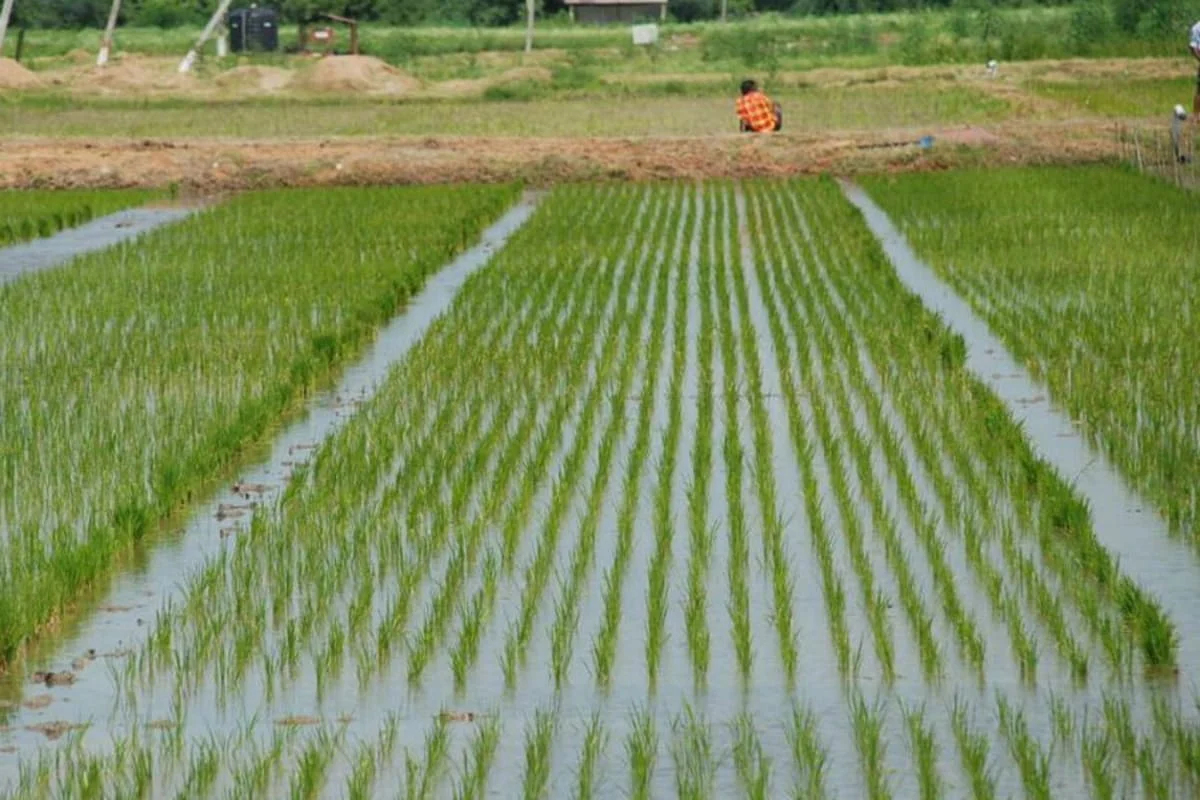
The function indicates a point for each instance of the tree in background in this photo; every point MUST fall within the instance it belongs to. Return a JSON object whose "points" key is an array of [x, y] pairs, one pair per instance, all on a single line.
{"points": [[1148, 18]]}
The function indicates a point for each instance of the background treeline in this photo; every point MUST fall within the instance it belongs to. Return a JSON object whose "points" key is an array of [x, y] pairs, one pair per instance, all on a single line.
{"points": [[1101, 17]]}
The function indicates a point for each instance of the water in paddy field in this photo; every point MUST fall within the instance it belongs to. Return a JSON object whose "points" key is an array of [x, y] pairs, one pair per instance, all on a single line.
{"points": [[665, 322], [97, 234], [1125, 523], [122, 620]]}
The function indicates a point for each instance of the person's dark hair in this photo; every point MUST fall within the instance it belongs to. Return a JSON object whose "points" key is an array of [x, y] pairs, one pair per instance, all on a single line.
{"points": [[749, 86]]}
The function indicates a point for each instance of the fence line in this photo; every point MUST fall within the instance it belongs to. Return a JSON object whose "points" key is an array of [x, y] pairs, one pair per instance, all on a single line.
{"points": [[1165, 150]]}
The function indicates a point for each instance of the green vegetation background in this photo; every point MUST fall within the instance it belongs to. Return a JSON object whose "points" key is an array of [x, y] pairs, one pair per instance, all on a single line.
{"points": [[911, 31]]}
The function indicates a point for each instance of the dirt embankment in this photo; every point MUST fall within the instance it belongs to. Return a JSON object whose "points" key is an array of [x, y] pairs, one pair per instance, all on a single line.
{"points": [[217, 165]]}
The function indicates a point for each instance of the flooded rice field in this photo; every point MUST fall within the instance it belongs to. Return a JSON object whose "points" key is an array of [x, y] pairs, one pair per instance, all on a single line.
{"points": [[98, 234], [690, 491]]}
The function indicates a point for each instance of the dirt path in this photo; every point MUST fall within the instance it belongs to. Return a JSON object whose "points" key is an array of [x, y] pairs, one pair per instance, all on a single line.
{"points": [[212, 165]]}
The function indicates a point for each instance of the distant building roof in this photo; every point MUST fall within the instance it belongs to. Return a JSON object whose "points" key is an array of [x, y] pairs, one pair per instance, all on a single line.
{"points": [[615, 2]]}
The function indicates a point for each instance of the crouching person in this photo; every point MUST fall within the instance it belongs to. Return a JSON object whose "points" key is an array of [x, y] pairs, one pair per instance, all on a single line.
{"points": [[758, 114]]}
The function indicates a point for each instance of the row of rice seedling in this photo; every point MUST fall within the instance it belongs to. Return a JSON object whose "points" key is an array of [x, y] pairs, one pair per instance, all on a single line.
{"points": [[29, 214], [1085, 274], [136, 376], [526, 568]]}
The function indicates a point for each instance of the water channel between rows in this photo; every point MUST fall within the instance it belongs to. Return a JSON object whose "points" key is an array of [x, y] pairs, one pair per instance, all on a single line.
{"points": [[99, 234], [126, 614], [1125, 523]]}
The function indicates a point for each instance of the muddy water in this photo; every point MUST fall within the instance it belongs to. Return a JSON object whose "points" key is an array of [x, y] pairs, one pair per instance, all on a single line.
{"points": [[1124, 523], [99, 234], [125, 616]]}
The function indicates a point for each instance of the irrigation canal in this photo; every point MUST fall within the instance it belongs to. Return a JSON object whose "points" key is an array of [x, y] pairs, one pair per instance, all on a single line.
{"points": [[99, 234]]}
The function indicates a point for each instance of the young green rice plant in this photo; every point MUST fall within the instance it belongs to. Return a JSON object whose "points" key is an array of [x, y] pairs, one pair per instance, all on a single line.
{"points": [[734, 458], [1063, 721], [361, 781], [1032, 762], [312, 766], [764, 472], [595, 743], [424, 777], [27, 214], [803, 449], [694, 755], [867, 722], [809, 756], [641, 749], [974, 751], [924, 746], [605, 642], [1070, 297], [539, 738], [751, 762], [478, 760], [1097, 756], [219, 350], [660, 563], [1156, 779], [701, 532], [1118, 722]]}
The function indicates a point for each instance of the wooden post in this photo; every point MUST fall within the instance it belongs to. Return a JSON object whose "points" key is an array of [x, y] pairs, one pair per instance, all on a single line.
{"points": [[5, 13], [218, 15], [530, 10], [106, 41]]}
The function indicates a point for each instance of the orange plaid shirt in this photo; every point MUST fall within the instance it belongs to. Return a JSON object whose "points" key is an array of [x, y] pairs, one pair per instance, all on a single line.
{"points": [[757, 111]]}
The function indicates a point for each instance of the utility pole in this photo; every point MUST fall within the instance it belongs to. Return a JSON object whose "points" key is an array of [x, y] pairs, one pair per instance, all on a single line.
{"points": [[5, 13], [530, 11], [106, 42], [190, 58]]}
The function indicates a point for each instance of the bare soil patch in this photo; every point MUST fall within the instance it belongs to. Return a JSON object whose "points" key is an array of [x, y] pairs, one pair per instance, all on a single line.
{"points": [[15, 76], [255, 78], [131, 75], [210, 166]]}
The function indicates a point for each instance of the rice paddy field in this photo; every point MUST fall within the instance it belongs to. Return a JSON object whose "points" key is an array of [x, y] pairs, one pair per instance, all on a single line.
{"points": [[1086, 275], [28, 215], [685, 494]]}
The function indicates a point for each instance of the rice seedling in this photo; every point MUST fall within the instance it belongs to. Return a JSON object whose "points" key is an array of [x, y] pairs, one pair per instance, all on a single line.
{"points": [[974, 751], [924, 747], [752, 764], [867, 722], [234, 280], [641, 749], [595, 742], [539, 737], [693, 753], [1032, 762], [809, 756], [28, 214], [1083, 300], [542, 467]]}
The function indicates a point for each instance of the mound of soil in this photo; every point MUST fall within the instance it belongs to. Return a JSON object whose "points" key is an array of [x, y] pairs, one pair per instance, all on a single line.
{"points": [[136, 75], [15, 76], [264, 79], [356, 74], [80, 56]]}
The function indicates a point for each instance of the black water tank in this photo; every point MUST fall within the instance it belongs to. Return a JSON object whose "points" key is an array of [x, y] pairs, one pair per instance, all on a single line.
{"points": [[253, 29]]}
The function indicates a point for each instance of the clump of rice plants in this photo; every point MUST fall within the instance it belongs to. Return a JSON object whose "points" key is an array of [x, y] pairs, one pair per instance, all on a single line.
{"points": [[32, 213]]}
